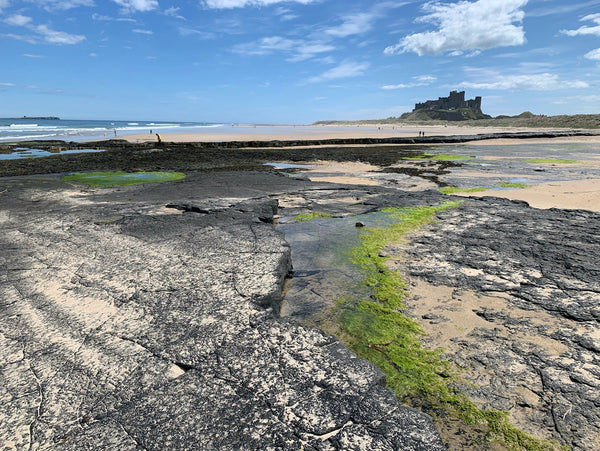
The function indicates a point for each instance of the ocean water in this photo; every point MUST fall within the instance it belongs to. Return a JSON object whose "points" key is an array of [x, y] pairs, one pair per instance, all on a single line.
{"points": [[20, 129]]}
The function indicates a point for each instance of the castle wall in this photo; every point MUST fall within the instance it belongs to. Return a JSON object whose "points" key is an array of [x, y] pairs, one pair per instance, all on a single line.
{"points": [[454, 101]]}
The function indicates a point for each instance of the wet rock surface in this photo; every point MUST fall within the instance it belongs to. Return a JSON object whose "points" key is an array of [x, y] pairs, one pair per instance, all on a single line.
{"points": [[125, 324], [534, 346]]}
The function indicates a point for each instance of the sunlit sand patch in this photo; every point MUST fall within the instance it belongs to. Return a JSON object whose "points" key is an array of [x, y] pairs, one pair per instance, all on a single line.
{"points": [[572, 195]]}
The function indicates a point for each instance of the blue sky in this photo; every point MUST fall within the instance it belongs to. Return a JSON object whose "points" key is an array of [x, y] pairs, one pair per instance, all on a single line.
{"points": [[297, 61]]}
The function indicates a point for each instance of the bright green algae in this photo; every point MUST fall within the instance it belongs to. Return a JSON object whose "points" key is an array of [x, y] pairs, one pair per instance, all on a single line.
{"points": [[455, 189], [376, 329], [118, 178]]}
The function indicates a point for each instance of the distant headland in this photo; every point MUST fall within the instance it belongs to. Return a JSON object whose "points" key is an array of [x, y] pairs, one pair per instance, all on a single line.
{"points": [[39, 118]]}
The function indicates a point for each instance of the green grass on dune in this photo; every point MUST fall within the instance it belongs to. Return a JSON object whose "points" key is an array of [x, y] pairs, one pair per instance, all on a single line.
{"points": [[118, 178]]}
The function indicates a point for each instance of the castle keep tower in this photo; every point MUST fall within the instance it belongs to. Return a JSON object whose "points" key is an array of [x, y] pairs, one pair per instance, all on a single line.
{"points": [[454, 101]]}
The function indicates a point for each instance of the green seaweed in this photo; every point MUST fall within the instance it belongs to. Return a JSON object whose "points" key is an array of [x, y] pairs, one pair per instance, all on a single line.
{"points": [[455, 189], [513, 185], [310, 216], [119, 178], [377, 330]]}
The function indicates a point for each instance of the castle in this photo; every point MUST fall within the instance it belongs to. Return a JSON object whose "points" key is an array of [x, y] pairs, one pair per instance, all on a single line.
{"points": [[454, 101]]}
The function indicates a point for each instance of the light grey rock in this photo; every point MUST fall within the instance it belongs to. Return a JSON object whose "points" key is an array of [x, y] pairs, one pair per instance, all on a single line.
{"points": [[128, 325]]}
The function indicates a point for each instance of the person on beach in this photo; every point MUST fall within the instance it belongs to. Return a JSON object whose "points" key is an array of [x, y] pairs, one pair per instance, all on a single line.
{"points": [[158, 138]]}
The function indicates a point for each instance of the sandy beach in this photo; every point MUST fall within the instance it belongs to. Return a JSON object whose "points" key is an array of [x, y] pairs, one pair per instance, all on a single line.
{"points": [[319, 132]]}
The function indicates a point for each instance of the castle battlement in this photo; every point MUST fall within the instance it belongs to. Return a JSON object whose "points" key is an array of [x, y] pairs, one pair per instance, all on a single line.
{"points": [[454, 101]]}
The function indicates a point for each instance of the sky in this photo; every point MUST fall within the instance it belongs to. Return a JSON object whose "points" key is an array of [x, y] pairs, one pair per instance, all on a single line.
{"points": [[294, 61]]}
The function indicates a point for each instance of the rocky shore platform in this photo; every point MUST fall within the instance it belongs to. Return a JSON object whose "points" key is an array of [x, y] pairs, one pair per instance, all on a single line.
{"points": [[146, 317], [142, 318]]}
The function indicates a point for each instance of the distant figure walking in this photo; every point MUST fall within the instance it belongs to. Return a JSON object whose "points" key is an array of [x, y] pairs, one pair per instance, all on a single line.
{"points": [[115, 130], [150, 131]]}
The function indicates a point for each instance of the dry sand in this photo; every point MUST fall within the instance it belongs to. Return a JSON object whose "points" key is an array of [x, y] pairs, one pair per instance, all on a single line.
{"points": [[319, 132], [574, 194]]}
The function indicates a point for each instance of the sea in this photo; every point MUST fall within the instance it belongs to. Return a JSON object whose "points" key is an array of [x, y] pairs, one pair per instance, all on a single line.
{"points": [[29, 128]]}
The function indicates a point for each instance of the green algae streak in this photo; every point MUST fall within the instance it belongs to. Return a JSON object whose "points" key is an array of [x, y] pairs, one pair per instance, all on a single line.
{"points": [[514, 185], [377, 330], [455, 189], [108, 179]]}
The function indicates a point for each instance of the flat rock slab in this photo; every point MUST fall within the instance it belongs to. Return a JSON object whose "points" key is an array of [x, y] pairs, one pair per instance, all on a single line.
{"points": [[533, 345], [128, 325]]}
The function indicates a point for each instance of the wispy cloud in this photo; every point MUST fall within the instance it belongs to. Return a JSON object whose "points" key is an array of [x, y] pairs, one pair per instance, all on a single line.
{"points": [[140, 31], [542, 11], [526, 82], [466, 26], [228, 4], [352, 24], [137, 5], [109, 19], [595, 30], [58, 37], [593, 55], [3, 4], [48, 35], [347, 69], [188, 31], [174, 12], [7, 84], [421, 80], [17, 20], [298, 49], [54, 5]]}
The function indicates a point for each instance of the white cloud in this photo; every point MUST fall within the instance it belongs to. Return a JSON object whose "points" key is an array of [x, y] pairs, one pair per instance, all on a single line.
{"points": [[227, 4], [593, 55], [187, 31], [58, 37], [18, 20], [62, 4], [108, 18], [299, 49], [3, 4], [140, 31], [586, 30], [353, 24], [466, 26], [174, 12], [346, 69], [48, 35], [421, 80], [137, 5], [533, 82], [7, 84]]}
